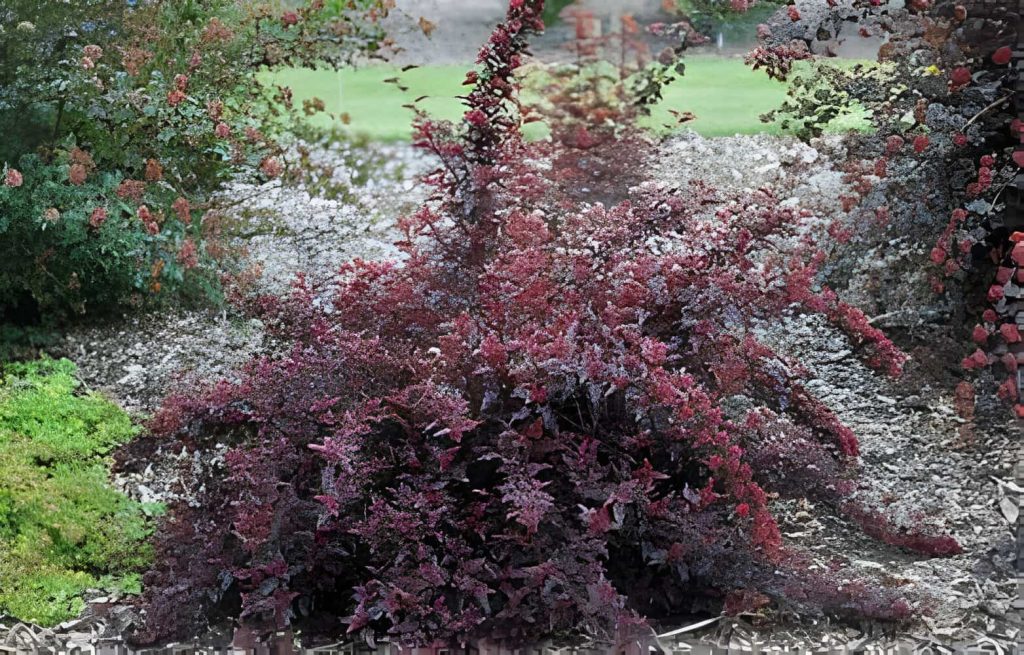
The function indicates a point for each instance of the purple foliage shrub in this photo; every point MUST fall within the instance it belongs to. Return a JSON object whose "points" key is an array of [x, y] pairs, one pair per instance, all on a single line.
{"points": [[516, 431]]}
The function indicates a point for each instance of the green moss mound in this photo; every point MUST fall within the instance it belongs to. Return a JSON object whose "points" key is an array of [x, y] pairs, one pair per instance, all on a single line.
{"points": [[63, 529]]}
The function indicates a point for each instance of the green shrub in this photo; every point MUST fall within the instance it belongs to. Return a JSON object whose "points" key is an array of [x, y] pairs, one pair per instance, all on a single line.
{"points": [[63, 529], [122, 120], [55, 254], [35, 37]]}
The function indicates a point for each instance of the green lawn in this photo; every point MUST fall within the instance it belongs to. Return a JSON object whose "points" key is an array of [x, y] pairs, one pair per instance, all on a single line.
{"points": [[727, 97], [725, 94]]}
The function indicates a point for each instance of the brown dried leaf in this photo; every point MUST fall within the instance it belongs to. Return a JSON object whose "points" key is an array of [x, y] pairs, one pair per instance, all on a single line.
{"points": [[937, 35], [683, 116], [427, 26]]}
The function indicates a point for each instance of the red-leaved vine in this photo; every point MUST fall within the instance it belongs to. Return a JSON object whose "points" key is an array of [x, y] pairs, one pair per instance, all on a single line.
{"points": [[518, 431]]}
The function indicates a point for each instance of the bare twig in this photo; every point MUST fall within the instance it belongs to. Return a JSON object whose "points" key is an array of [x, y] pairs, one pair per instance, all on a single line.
{"points": [[986, 110], [689, 628], [995, 200]]}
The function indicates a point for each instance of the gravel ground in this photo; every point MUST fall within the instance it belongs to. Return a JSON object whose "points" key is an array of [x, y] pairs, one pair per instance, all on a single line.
{"points": [[139, 360], [299, 230], [797, 172], [910, 430], [912, 450]]}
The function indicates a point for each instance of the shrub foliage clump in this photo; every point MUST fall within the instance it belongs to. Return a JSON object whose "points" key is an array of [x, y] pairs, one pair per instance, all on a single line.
{"points": [[941, 102], [63, 529], [518, 431], [121, 120]]}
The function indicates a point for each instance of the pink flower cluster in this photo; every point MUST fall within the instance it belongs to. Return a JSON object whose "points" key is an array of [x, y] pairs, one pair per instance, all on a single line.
{"points": [[188, 254], [90, 55], [97, 218], [149, 220], [271, 167]]}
